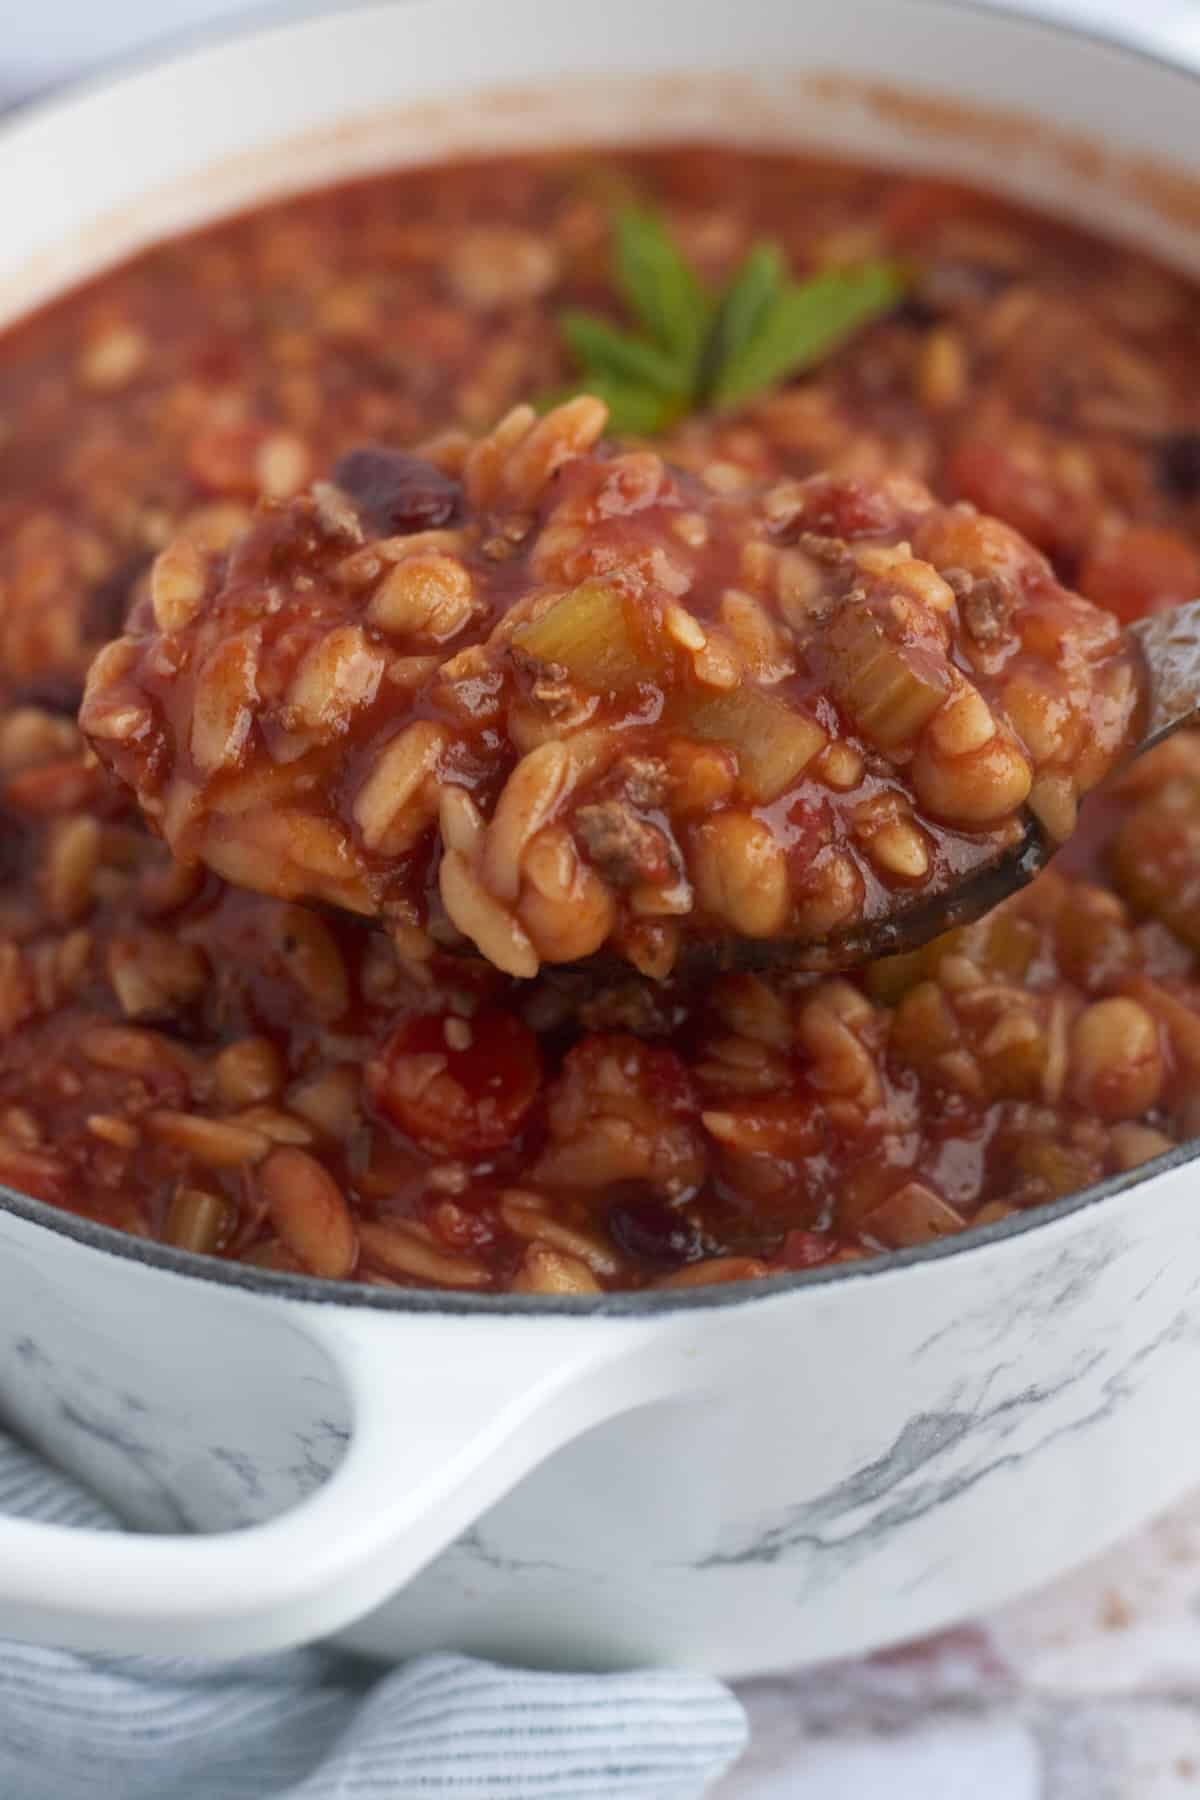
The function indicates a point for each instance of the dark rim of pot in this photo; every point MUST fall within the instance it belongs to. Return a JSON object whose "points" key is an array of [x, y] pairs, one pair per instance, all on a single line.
{"points": [[636, 1303]]}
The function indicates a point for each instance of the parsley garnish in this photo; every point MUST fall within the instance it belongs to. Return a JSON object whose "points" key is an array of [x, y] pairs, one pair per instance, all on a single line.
{"points": [[696, 349]]}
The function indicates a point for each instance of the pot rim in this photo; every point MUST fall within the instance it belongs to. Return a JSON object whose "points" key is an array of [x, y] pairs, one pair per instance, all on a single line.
{"points": [[277, 15], [638, 1303]]}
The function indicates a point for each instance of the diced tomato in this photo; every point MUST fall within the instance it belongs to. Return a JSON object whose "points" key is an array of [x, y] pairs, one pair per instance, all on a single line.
{"points": [[915, 208], [457, 1085], [617, 1073], [808, 832], [806, 1249], [222, 459], [468, 1225], [1025, 498], [846, 507], [1141, 570]]}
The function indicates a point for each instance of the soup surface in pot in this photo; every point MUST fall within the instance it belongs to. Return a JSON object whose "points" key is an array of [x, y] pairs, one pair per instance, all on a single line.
{"points": [[269, 1080]]}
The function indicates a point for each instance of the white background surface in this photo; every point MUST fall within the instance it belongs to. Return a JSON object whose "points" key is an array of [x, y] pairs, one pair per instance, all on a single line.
{"points": [[41, 41], [1091, 1692]]}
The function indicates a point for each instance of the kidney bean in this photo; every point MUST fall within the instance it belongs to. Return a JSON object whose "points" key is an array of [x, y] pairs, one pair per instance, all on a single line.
{"points": [[397, 493], [650, 1231]]}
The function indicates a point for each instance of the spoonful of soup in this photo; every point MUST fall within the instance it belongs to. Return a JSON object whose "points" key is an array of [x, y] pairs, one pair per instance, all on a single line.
{"points": [[545, 698]]}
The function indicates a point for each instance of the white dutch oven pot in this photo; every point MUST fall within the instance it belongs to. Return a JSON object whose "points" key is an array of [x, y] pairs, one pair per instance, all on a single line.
{"points": [[736, 1479]]}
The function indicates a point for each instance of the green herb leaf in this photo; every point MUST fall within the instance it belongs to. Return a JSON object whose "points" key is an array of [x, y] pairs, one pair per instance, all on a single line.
{"points": [[619, 356], [660, 286], [695, 351], [803, 323], [636, 411], [744, 305]]}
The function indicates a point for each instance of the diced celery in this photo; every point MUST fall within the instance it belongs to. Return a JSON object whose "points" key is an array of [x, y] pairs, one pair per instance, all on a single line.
{"points": [[589, 633], [1015, 1071], [774, 742], [914, 1214], [1010, 944], [890, 690], [195, 1220], [923, 1028], [1061, 1168], [889, 978]]}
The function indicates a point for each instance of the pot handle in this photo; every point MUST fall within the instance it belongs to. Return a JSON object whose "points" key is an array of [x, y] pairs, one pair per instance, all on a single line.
{"points": [[418, 1470]]}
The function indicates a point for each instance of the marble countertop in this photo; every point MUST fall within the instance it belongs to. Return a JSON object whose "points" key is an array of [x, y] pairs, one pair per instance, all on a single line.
{"points": [[1089, 1690]]}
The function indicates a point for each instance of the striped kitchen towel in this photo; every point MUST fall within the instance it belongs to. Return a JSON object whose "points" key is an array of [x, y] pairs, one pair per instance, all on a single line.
{"points": [[314, 1725]]}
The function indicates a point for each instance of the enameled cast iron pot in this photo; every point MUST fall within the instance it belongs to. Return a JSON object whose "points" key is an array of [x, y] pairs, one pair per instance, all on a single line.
{"points": [[739, 1478]]}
